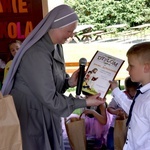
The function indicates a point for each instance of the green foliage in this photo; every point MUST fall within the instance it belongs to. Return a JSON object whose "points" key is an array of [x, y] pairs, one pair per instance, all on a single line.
{"points": [[71, 89], [102, 13]]}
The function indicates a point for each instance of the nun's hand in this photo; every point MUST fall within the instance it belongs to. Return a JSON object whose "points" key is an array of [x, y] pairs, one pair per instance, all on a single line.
{"points": [[94, 100], [73, 79]]}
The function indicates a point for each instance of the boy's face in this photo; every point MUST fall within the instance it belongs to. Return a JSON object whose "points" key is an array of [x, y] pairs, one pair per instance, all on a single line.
{"points": [[135, 69]]}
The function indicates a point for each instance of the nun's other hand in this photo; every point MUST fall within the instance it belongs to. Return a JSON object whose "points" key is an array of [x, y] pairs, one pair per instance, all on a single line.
{"points": [[73, 79], [94, 100]]}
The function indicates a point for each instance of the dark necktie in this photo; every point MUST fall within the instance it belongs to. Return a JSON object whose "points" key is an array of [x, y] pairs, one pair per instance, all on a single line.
{"points": [[131, 108]]}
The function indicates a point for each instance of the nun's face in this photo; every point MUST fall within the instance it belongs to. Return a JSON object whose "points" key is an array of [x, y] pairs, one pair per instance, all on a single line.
{"points": [[60, 35]]}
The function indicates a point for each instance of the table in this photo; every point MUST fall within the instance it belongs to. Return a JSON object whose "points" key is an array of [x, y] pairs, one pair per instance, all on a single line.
{"points": [[115, 26], [142, 28], [129, 34], [83, 29], [88, 36]]}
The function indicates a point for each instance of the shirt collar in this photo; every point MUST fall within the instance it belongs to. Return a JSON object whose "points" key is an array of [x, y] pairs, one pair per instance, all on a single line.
{"points": [[145, 88]]}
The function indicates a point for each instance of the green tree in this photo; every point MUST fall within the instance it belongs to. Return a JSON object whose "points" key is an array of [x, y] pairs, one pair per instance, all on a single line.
{"points": [[102, 13]]}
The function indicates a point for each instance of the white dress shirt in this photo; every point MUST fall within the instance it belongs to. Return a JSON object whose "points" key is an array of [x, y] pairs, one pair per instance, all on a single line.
{"points": [[138, 136]]}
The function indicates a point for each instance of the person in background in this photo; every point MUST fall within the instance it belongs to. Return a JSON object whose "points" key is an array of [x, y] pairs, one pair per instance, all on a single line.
{"points": [[2, 67], [37, 81], [116, 110], [138, 134], [2, 64], [13, 49], [97, 122]]}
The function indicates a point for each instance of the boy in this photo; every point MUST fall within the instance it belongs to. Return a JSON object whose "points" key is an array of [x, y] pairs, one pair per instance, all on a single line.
{"points": [[118, 113], [138, 136]]}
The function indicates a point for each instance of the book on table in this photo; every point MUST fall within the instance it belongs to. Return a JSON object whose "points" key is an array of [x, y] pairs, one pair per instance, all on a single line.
{"points": [[102, 69]]}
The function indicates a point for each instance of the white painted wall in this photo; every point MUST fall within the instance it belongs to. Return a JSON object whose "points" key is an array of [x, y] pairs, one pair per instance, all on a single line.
{"points": [[50, 4], [54, 3]]}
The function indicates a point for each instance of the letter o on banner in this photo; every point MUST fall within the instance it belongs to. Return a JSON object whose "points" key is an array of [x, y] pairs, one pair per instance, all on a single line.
{"points": [[12, 30]]}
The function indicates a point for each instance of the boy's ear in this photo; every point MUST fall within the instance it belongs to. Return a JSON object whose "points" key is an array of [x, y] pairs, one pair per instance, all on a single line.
{"points": [[147, 67]]}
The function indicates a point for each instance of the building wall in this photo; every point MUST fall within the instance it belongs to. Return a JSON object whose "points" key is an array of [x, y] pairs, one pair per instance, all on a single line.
{"points": [[17, 20], [54, 3], [50, 4]]}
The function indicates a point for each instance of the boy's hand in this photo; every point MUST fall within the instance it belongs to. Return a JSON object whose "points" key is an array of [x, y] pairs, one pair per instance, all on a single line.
{"points": [[113, 84]]}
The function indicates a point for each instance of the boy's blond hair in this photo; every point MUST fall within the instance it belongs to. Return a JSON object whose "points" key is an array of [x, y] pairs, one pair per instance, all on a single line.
{"points": [[141, 50]]}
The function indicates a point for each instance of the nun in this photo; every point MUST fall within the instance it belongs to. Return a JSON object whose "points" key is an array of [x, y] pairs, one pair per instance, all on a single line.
{"points": [[37, 81]]}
